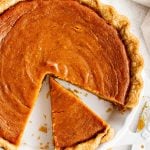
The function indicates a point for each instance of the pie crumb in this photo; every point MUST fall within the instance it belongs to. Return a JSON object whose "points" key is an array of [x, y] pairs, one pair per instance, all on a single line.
{"points": [[45, 147], [86, 94], [48, 94], [109, 110], [141, 124], [76, 91], [25, 143], [43, 129], [44, 116], [69, 89]]}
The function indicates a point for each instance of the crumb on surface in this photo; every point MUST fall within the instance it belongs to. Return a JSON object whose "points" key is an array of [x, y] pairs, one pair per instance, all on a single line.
{"points": [[48, 94], [45, 124], [69, 89], [141, 124], [45, 147], [86, 94], [109, 110], [44, 116], [43, 129], [76, 91], [25, 143], [142, 146]]}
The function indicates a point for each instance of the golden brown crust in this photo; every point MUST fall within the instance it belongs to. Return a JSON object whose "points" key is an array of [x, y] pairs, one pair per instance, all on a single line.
{"points": [[94, 142], [6, 145], [122, 24], [5, 4]]}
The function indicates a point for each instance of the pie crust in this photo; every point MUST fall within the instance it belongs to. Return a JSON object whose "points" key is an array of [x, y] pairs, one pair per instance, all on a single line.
{"points": [[122, 25], [92, 144], [5, 4], [7, 145]]}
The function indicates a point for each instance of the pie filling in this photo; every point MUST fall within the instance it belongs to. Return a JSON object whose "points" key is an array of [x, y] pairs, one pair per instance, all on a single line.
{"points": [[62, 38]]}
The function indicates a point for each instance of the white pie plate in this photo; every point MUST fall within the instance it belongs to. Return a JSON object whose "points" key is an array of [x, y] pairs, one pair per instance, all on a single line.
{"points": [[34, 139], [143, 2]]}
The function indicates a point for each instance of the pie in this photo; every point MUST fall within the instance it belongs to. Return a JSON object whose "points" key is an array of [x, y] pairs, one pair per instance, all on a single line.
{"points": [[74, 125], [83, 42]]}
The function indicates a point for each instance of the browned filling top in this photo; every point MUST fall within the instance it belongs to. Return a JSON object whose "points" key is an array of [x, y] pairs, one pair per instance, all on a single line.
{"points": [[62, 38]]}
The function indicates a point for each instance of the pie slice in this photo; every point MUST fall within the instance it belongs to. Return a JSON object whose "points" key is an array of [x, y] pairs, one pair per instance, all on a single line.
{"points": [[75, 126], [83, 42]]}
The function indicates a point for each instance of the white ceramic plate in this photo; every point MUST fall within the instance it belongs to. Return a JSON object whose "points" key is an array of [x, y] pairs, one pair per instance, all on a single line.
{"points": [[143, 2], [34, 139]]}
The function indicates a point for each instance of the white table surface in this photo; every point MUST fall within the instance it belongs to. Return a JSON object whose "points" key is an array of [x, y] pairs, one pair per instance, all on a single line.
{"points": [[136, 13]]}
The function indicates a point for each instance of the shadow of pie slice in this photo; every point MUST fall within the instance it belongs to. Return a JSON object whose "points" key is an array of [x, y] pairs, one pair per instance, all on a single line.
{"points": [[83, 42], [75, 126]]}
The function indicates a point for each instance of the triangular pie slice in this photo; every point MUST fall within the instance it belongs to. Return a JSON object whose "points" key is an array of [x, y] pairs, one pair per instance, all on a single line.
{"points": [[75, 126], [83, 42]]}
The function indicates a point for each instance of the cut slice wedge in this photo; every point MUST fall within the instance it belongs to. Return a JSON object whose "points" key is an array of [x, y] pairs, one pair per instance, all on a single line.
{"points": [[75, 126]]}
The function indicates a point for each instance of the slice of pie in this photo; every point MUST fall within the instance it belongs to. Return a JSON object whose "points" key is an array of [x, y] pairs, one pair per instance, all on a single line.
{"points": [[83, 42], [75, 126]]}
